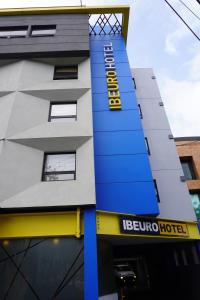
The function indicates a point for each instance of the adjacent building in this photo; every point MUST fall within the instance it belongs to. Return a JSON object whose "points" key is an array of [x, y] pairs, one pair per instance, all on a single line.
{"points": [[189, 152], [93, 199]]}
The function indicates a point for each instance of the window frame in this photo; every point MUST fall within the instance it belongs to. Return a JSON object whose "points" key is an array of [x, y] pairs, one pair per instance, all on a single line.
{"points": [[44, 173], [134, 83], [189, 161], [63, 116], [42, 27], [147, 145], [140, 111], [156, 190], [195, 192], [66, 66], [14, 29]]}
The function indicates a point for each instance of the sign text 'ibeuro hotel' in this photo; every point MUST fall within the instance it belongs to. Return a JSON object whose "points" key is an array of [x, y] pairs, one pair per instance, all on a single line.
{"points": [[111, 77]]}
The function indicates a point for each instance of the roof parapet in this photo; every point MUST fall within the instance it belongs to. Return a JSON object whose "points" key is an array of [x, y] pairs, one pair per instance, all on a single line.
{"points": [[90, 10]]}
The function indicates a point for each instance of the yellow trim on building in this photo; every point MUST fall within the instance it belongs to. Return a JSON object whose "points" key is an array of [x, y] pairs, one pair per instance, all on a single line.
{"points": [[41, 225], [108, 224], [33, 225], [117, 9]]}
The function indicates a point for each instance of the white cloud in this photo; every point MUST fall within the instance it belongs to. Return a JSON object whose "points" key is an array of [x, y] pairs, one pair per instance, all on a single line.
{"points": [[182, 105], [172, 40], [194, 67], [180, 31]]}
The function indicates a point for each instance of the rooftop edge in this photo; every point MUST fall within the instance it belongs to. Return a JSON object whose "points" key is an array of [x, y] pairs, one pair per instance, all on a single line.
{"points": [[123, 9]]}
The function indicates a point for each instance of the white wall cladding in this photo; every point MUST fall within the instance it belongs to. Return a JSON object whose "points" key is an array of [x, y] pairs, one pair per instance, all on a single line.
{"points": [[27, 87], [175, 202]]}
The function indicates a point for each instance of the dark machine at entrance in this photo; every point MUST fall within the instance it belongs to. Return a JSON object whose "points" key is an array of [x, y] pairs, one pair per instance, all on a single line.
{"points": [[131, 275]]}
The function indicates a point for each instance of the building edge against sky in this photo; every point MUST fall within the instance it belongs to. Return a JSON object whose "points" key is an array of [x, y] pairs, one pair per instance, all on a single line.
{"points": [[91, 182]]}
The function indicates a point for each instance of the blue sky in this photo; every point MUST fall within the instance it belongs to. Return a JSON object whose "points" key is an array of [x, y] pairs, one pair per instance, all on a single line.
{"points": [[158, 39]]}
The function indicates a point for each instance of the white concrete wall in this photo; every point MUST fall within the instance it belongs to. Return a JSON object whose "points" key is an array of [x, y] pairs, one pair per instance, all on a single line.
{"points": [[175, 202], [28, 87]]}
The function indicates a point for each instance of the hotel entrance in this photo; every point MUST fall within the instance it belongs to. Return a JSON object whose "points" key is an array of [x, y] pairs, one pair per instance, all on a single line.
{"points": [[150, 270], [147, 258], [132, 276], [157, 271]]}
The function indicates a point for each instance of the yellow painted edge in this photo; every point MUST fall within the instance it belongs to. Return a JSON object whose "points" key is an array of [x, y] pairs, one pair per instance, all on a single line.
{"points": [[78, 223], [65, 9], [123, 9], [39, 225], [125, 20], [70, 224], [108, 224]]}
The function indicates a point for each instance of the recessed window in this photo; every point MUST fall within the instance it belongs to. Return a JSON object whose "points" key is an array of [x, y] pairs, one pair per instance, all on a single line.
{"points": [[43, 30], [59, 167], [196, 203], [188, 170], [147, 145], [156, 190], [63, 112], [140, 111], [65, 72], [134, 83], [13, 32]]}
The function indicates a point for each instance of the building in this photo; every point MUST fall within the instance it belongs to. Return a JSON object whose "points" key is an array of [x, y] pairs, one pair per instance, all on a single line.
{"points": [[92, 198], [189, 150]]}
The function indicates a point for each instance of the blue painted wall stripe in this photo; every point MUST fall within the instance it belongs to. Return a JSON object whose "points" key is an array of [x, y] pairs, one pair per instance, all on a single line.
{"points": [[123, 176], [122, 168], [126, 197], [121, 143], [112, 121], [101, 101], [90, 255]]}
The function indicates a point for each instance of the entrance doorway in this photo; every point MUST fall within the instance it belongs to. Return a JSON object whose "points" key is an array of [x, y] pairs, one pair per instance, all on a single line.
{"points": [[159, 271], [132, 276]]}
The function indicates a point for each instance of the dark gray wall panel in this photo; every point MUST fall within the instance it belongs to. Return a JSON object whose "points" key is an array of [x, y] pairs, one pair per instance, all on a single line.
{"points": [[45, 40], [71, 37]]}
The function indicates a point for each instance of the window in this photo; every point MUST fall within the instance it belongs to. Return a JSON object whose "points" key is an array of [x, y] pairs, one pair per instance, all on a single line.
{"points": [[140, 111], [134, 83], [195, 255], [43, 30], [188, 169], [62, 112], [186, 255], [196, 203], [147, 145], [22, 31], [13, 32], [59, 166], [156, 190], [67, 72]]}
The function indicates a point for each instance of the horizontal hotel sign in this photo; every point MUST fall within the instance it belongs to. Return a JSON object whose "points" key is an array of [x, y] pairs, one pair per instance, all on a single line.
{"points": [[148, 226]]}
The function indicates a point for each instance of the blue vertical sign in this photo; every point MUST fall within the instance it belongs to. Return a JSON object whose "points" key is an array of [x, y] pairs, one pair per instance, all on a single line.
{"points": [[124, 182]]}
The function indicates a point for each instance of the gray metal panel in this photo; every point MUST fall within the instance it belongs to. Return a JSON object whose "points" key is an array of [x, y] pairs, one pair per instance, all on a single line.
{"points": [[166, 158], [175, 199], [154, 116], [175, 202], [71, 37], [63, 39]]}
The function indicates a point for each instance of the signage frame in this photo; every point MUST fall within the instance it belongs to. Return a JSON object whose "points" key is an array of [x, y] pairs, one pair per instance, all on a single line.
{"points": [[152, 226]]}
